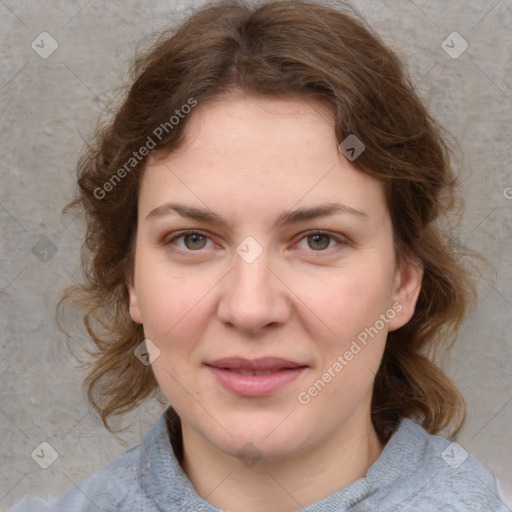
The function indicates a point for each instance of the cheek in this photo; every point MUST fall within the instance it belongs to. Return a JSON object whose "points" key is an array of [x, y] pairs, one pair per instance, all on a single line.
{"points": [[175, 311], [168, 297], [349, 353], [353, 312], [354, 300]]}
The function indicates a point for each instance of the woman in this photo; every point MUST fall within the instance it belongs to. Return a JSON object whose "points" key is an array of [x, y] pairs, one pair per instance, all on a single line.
{"points": [[265, 248]]}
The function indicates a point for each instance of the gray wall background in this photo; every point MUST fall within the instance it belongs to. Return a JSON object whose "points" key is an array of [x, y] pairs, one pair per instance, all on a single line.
{"points": [[49, 104]]}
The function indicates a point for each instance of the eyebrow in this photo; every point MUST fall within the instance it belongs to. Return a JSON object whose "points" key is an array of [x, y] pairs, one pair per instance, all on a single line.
{"points": [[286, 218]]}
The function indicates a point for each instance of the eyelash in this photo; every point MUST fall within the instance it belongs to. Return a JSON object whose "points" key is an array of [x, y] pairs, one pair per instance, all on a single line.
{"points": [[181, 234]]}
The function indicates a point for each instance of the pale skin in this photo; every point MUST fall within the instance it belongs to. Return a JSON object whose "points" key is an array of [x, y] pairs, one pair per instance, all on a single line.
{"points": [[248, 159]]}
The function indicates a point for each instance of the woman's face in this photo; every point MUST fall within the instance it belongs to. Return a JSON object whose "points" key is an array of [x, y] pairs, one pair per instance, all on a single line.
{"points": [[256, 282]]}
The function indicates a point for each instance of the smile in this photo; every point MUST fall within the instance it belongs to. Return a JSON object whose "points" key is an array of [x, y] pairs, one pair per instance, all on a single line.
{"points": [[257, 377]]}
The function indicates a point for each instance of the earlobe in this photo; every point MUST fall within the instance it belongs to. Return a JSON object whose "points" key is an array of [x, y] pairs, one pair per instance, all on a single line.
{"points": [[407, 290], [133, 304]]}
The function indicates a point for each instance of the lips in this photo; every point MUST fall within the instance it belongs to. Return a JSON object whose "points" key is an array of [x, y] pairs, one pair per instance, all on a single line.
{"points": [[255, 377], [251, 372], [252, 366]]}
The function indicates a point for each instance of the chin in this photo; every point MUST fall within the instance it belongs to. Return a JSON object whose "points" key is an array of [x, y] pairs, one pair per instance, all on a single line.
{"points": [[259, 439]]}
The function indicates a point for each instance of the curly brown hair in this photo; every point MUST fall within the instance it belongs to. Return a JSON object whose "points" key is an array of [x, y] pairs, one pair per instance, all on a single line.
{"points": [[279, 48]]}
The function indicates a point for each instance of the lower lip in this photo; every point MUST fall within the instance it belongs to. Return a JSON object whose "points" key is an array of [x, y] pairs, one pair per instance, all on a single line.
{"points": [[255, 385]]}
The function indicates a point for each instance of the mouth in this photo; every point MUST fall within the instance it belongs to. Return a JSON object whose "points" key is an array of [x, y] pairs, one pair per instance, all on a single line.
{"points": [[251, 372], [255, 377]]}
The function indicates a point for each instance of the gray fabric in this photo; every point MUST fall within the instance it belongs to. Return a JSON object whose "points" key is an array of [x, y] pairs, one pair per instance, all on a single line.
{"points": [[416, 472]]}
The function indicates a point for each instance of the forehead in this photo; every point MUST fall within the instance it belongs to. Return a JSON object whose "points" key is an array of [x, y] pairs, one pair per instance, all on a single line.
{"points": [[247, 150], [239, 126]]}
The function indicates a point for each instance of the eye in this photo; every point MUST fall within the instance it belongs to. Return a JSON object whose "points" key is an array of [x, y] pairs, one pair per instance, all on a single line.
{"points": [[193, 241], [319, 241]]}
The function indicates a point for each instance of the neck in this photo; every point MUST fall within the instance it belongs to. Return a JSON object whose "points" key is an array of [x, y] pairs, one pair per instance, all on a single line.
{"points": [[285, 485]]}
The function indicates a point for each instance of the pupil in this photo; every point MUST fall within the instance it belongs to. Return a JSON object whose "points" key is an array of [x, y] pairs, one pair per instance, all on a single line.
{"points": [[195, 238], [316, 237]]}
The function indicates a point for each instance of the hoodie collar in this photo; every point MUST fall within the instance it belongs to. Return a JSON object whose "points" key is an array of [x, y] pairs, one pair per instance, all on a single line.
{"points": [[165, 482]]}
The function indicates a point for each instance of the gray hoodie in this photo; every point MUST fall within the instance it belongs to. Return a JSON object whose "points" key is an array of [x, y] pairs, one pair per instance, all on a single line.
{"points": [[416, 472]]}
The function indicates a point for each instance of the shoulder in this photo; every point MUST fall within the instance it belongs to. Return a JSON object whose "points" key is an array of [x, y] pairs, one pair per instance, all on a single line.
{"points": [[140, 480], [106, 490], [442, 475], [120, 485]]}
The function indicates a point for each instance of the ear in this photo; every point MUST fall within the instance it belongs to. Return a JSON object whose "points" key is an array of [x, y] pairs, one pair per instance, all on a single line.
{"points": [[408, 279], [133, 303]]}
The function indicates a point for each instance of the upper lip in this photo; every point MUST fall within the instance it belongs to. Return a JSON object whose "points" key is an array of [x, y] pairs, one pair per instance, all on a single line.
{"points": [[262, 363]]}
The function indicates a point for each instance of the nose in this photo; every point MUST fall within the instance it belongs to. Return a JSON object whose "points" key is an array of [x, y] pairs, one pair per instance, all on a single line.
{"points": [[253, 295]]}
